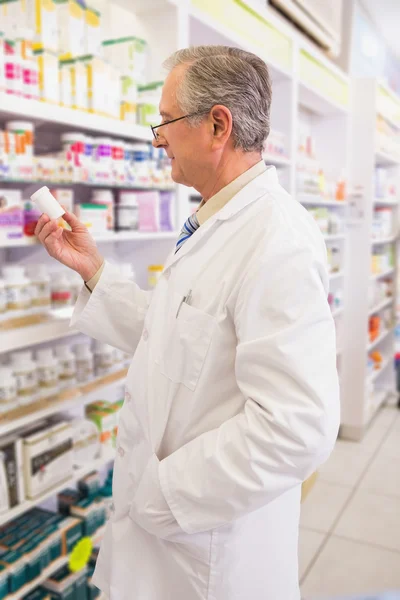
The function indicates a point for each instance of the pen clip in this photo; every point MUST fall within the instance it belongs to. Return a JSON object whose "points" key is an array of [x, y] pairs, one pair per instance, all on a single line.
{"points": [[186, 299]]}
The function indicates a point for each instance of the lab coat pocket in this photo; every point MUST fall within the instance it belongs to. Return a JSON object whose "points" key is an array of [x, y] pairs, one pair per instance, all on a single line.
{"points": [[185, 344]]}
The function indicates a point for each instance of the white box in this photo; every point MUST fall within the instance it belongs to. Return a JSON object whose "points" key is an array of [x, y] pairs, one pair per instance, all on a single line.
{"points": [[12, 490], [48, 457], [93, 32], [71, 15]]}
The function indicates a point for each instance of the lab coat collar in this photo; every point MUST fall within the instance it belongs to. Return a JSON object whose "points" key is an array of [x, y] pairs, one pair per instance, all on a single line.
{"points": [[247, 195]]}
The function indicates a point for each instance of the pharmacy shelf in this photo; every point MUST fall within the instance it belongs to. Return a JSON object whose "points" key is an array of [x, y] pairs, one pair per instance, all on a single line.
{"points": [[95, 465], [373, 376], [383, 159], [71, 398], [275, 159], [337, 311], [381, 396], [12, 107], [89, 184], [29, 587], [384, 304], [381, 338], [57, 564], [318, 103], [333, 237], [386, 240], [337, 275], [383, 274], [383, 202], [315, 200], [112, 236], [52, 328]]}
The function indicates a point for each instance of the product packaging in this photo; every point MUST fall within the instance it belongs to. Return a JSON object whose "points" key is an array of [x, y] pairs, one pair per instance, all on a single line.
{"points": [[93, 32], [47, 369], [10, 215], [65, 585], [15, 563], [84, 362], [149, 97], [12, 69], [86, 441], [18, 290], [43, 16], [166, 211], [148, 211], [8, 390], [103, 416], [60, 290], [127, 211], [67, 366], [47, 457], [48, 76], [105, 197], [24, 369], [12, 490], [128, 55], [93, 216], [71, 26]]}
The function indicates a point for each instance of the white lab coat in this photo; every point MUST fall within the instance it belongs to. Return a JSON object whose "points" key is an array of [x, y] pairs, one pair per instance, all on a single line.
{"points": [[231, 402]]}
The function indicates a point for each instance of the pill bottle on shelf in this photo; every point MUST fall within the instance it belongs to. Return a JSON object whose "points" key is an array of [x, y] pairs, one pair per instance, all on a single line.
{"points": [[24, 369], [8, 389], [67, 366], [60, 290], [3, 300], [84, 362], [104, 363], [18, 291], [47, 372], [40, 282], [127, 211]]}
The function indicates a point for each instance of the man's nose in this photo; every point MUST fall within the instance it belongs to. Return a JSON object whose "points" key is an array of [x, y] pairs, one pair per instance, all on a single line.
{"points": [[159, 143]]}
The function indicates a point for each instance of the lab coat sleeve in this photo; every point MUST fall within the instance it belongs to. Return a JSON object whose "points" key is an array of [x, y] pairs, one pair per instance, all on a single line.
{"points": [[114, 312], [286, 371]]}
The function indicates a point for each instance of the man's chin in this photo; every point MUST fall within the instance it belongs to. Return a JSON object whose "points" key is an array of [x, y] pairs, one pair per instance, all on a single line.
{"points": [[179, 178]]}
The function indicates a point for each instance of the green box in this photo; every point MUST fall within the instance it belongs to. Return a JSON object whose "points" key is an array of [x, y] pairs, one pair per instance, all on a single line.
{"points": [[16, 568], [3, 582]]}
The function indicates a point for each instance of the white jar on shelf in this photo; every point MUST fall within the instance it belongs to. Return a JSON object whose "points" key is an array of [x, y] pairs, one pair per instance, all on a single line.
{"points": [[60, 290], [25, 372], [47, 370], [17, 290], [104, 363], [8, 389], [66, 365], [41, 289], [84, 362], [3, 300]]}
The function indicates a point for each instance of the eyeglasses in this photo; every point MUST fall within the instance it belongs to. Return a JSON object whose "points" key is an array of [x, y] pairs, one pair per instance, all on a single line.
{"points": [[157, 135]]}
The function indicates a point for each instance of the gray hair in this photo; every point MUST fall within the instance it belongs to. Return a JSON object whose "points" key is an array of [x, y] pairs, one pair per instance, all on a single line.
{"points": [[232, 77]]}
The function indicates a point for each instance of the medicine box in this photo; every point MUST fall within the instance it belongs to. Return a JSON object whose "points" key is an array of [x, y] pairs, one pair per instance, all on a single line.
{"points": [[11, 218], [47, 453], [42, 17], [71, 15], [48, 75], [11, 473], [65, 585], [93, 31]]}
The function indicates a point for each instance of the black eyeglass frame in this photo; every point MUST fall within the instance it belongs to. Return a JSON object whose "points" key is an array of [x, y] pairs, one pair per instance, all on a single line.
{"points": [[153, 127]]}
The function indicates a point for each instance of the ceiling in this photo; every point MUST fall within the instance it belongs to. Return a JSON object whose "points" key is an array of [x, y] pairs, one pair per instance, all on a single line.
{"points": [[386, 15]]}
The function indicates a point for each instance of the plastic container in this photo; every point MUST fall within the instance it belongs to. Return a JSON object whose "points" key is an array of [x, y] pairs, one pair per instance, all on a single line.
{"points": [[17, 290], [3, 299], [8, 387], [104, 362], [102, 158], [105, 197], [93, 216], [73, 147], [31, 216], [24, 369], [60, 290], [127, 211], [67, 366], [154, 274], [46, 202], [140, 154], [84, 362], [40, 281], [47, 370]]}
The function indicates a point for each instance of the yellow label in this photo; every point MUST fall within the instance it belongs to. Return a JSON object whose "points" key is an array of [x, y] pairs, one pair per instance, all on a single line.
{"points": [[273, 45], [41, 70], [80, 554], [324, 81], [75, 10], [92, 18], [48, 5]]}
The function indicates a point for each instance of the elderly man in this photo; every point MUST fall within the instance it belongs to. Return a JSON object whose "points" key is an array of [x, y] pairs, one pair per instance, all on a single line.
{"points": [[232, 396]]}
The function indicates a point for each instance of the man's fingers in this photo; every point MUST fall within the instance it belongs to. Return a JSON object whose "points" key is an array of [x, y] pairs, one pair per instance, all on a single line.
{"points": [[41, 223], [71, 219], [49, 228]]}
